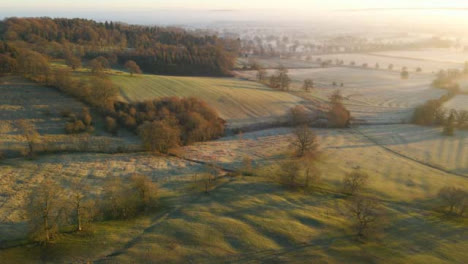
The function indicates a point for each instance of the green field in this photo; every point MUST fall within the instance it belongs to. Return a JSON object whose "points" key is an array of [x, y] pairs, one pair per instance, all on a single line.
{"points": [[237, 101]]}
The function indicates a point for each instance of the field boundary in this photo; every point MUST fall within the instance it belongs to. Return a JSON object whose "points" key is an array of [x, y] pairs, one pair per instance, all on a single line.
{"points": [[407, 157]]}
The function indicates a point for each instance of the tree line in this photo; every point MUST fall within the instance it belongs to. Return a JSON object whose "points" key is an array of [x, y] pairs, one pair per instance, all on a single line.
{"points": [[162, 50], [51, 209]]}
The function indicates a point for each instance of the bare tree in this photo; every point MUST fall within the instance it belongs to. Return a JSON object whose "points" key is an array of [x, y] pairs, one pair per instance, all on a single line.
{"points": [[290, 173], [308, 84], [365, 214], [354, 182], [81, 204], [146, 189], [30, 134], [261, 75], [454, 199], [305, 141], [44, 211]]}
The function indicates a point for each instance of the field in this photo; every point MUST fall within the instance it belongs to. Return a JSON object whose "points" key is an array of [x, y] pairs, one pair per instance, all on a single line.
{"points": [[251, 219], [436, 55], [276, 62], [239, 102], [42, 107], [371, 95], [427, 66], [245, 219], [459, 102]]}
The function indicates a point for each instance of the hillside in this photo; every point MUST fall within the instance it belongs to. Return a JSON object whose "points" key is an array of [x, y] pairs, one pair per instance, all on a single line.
{"points": [[240, 102]]}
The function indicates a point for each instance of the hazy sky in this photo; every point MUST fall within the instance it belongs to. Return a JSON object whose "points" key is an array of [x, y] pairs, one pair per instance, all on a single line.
{"points": [[115, 5], [208, 11]]}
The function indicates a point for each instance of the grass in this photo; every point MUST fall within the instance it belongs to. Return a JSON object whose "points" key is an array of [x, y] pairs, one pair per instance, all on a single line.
{"points": [[42, 106], [253, 219], [237, 101], [372, 96], [426, 144]]}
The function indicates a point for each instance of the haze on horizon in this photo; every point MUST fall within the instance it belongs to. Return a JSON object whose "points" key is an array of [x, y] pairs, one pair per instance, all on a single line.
{"points": [[432, 14]]}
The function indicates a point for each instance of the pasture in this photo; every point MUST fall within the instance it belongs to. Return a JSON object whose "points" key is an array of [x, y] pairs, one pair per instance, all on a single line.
{"points": [[459, 102], [398, 62], [445, 55], [239, 102], [42, 107], [372, 96], [251, 218]]}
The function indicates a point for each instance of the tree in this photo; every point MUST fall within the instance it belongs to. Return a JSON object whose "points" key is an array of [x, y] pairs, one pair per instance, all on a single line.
{"points": [[96, 66], [86, 117], [299, 116], [30, 134], [7, 64], [390, 66], [33, 64], [159, 136], [111, 125], [80, 206], [305, 141], [354, 182], [73, 61], [132, 67], [289, 173], [365, 213], [449, 127], [261, 74], [102, 93], [454, 199], [147, 191], [308, 84], [462, 118], [404, 74], [44, 211], [338, 115], [281, 79]]}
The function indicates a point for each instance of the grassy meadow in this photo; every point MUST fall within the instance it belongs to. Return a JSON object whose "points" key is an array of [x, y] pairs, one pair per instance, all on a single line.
{"points": [[237, 101], [372, 96]]}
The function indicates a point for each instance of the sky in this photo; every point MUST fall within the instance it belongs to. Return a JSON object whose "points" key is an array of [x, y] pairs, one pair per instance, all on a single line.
{"points": [[226, 4], [185, 11]]}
